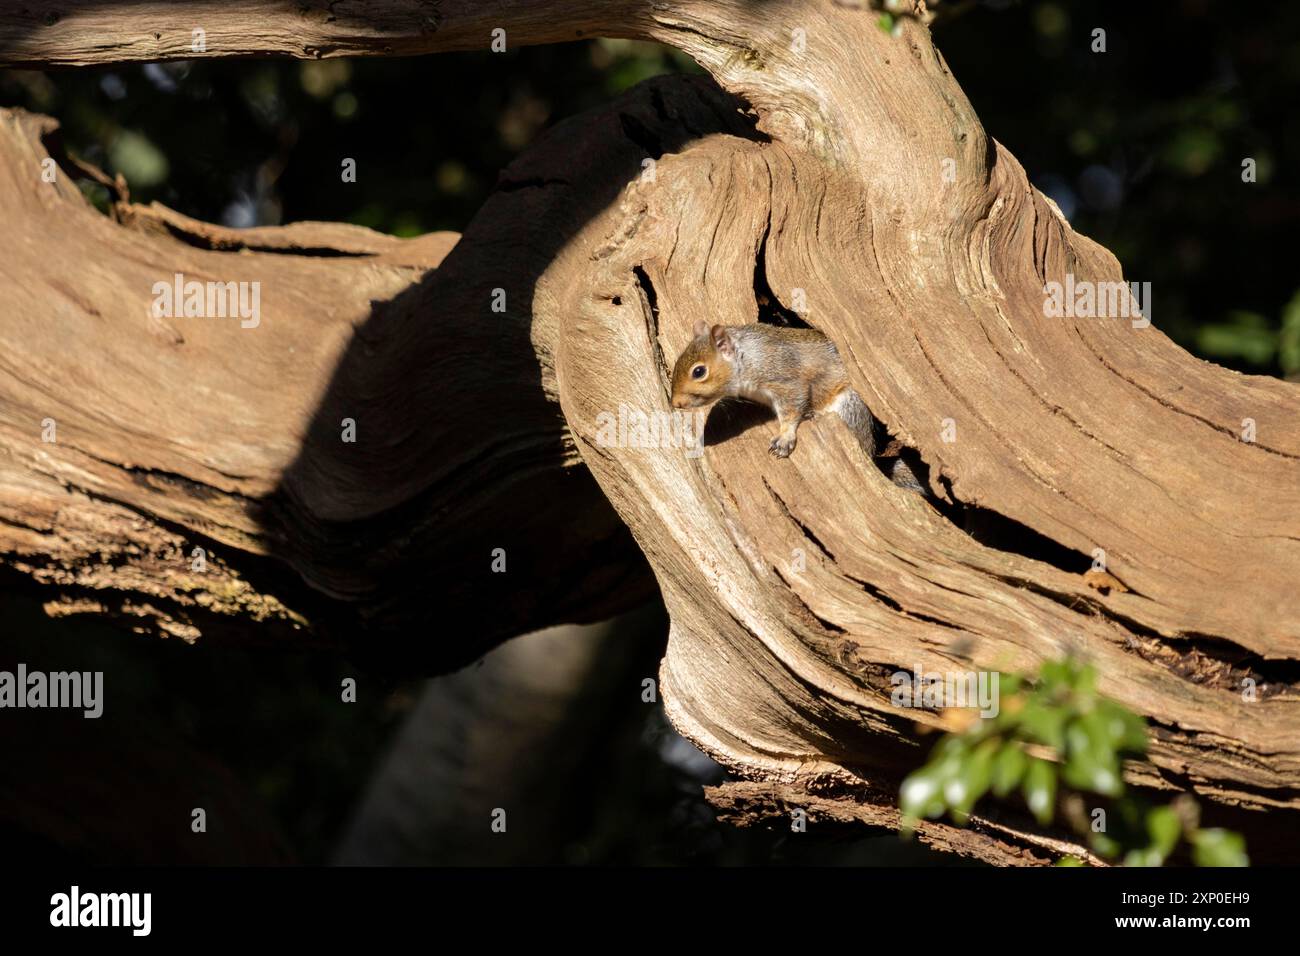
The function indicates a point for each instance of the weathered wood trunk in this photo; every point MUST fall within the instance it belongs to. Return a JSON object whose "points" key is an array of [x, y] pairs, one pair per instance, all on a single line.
{"points": [[834, 171]]}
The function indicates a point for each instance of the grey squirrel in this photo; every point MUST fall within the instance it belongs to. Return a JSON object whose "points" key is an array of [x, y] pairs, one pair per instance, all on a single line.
{"points": [[797, 373]]}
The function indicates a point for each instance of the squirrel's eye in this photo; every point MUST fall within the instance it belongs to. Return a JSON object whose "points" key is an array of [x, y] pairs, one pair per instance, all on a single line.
{"points": [[698, 371]]}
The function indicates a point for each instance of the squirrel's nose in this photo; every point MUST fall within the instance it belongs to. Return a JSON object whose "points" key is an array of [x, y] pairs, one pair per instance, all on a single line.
{"points": [[679, 401]]}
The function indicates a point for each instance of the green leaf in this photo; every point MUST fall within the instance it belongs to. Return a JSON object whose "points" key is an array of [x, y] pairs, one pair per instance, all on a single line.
{"points": [[949, 747], [1088, 734], [1084, 679], [1164, 827], [1056, 674], [1044, 724], [1091, 762], [1085, 771], [1069, 861], [1218, 847], [885, 21], [1127, 730], [1040, 790], [1008, 768], [1246, 335], [1146, 856], [1104, 845], [1010, 711], [971, 781], [1288, 340], [138, 159], [921, 795]]}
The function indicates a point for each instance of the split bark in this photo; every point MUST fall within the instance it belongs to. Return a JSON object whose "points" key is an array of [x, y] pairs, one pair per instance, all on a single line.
{"points": [[867, 192]]}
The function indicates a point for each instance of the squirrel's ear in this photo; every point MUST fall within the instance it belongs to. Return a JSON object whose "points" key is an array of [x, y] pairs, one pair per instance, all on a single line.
{"points": [[721, 340], [701, 329]]}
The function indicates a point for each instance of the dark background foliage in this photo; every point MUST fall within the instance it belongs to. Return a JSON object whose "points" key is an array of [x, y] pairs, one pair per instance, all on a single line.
{"points": [[1141, 147]]}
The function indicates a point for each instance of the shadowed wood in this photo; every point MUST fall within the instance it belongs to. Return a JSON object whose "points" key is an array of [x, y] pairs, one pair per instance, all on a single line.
{"points": [[176, 433], [869, 199]]}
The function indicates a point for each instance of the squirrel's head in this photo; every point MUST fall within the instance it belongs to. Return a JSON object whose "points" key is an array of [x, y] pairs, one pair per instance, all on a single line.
{"points": [[703, 369]]}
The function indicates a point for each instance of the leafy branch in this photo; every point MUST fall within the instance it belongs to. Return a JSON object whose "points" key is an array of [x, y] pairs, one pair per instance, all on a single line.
{"points": [[1059, 743]]}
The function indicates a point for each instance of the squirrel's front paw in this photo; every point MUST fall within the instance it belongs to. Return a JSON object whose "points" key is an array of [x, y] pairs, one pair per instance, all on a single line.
{"points": [[781, 447]]}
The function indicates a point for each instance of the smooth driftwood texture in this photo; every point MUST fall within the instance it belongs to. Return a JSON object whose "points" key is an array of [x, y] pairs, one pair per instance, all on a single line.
{"points": [[1095, 434], [869, 192], [90, 32]]}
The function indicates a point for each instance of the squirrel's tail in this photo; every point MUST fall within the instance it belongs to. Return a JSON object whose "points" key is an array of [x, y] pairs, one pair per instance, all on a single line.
{"points": [[905, 472], [853, 410]]}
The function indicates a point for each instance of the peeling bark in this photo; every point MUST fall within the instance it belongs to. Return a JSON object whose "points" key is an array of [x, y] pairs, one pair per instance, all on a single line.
{"points": [[750, 803]]}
